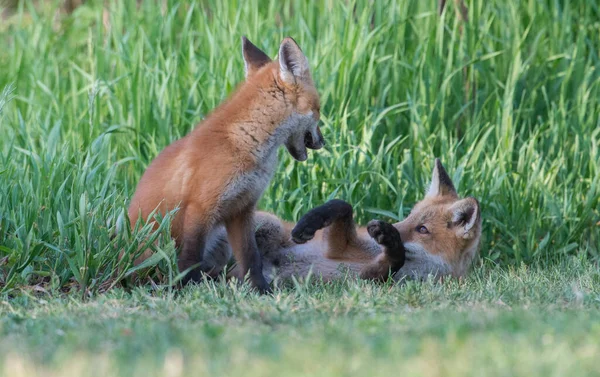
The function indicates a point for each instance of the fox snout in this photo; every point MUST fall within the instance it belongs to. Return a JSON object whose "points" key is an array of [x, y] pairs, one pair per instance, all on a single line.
{"points": [[314, 140]]}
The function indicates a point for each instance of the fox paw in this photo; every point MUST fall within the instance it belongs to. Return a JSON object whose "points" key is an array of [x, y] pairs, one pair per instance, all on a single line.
{"points": [[384, 233], [387, 236], [261, 286], [319, 218], [303, 233], [308, 225]]}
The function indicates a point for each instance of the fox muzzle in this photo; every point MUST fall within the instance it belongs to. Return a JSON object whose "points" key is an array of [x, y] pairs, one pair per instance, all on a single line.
{"points": [[314, 139]]}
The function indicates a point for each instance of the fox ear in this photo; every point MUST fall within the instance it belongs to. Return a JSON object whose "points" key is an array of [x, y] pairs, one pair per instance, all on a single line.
{"points": [[293, 65], [254, 58], [441, 184], [466, 217]]}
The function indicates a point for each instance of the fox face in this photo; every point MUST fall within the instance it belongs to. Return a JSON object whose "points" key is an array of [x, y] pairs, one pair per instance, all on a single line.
{"points": [[441, 234], [291, 86]]}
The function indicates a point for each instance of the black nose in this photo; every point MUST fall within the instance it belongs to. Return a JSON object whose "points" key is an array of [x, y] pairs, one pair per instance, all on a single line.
{"points": [[308, 139], [311, 143]]}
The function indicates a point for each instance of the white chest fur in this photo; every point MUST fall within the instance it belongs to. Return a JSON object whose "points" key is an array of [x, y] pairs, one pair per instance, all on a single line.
{"points": [[246, 188]]}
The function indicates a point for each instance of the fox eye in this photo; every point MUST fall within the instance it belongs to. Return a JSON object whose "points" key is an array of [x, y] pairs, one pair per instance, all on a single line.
{"points": [[422, 229]]}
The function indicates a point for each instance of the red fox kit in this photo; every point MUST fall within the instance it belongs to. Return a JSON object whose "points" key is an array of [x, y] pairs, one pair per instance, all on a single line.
{"points": [[440, 237], [216, 174]]}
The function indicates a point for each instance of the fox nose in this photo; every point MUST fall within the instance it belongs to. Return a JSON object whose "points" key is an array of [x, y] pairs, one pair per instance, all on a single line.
{"points": [[314, 140]]}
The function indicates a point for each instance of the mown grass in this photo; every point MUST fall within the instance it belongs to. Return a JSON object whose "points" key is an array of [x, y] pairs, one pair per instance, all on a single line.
{"points": [[518, 322], [509, 99]]}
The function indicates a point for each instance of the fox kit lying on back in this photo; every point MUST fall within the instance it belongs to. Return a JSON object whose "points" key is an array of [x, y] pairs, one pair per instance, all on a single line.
{"points": [[217, 173], [440, 237]]}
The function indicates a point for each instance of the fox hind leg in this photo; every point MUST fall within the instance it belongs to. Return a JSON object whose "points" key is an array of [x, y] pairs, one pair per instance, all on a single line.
{"points": [[190, 256], [217, 252], [192, 245], [320, 217], [340, 234]]}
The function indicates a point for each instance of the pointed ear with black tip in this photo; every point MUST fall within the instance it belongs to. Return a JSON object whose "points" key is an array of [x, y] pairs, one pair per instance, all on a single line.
{"points": [[441, 184], [293, 65], [254, 58], [466, 217]]}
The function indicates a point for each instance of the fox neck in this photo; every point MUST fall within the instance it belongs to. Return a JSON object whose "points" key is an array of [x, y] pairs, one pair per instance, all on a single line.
{"points": [[258, 119], [421, 263], [467, 256], [263, 129]]}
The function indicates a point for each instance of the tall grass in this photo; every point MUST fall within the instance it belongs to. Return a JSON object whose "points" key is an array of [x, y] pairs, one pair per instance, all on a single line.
{"points": [[509, 99]]}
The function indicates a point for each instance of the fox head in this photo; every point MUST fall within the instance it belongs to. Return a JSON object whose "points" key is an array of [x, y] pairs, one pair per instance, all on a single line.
{"points": [[442, 232], [293, 89]]}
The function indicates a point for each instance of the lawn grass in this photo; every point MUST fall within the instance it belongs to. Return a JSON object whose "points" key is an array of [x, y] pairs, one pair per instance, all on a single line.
{"points": [[508, 98], [497, 322]]}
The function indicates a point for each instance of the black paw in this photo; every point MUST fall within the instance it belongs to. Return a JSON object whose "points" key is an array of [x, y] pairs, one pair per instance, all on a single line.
{"points": [[192, 277], [197, 271], [384, 233], [303, 233], [387, 236], [260, 284], [308, 225], [319, 218]]}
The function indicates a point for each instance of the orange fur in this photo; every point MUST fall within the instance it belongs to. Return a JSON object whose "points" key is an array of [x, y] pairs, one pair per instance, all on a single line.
{"points": [[216, 174]]}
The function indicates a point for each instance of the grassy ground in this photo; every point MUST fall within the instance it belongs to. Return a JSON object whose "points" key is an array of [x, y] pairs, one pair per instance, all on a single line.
{"points": [[527, 322], [508, 98]]}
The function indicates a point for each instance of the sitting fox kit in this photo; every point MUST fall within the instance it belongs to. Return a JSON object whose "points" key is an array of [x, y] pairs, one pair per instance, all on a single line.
{"points": [[440, 237], [216, 174]]}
